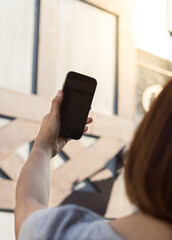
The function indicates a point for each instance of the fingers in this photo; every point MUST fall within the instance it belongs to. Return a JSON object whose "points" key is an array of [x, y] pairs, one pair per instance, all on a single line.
{"points": [[89, 120], [55, 106], [85, 129], [63, 142]]}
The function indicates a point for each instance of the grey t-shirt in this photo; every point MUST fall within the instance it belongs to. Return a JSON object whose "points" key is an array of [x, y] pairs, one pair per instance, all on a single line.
{"points": [[68, 222]]}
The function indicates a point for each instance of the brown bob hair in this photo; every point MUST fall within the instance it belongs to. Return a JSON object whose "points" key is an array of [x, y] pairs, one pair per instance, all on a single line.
{"points": [[148, 172]]}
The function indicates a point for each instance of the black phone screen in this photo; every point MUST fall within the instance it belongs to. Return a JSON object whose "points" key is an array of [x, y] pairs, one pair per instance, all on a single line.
{"points": [[78, 94]]}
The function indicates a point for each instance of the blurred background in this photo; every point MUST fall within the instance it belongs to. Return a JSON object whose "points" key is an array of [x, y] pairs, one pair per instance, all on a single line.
{"points": [[125, 44]]}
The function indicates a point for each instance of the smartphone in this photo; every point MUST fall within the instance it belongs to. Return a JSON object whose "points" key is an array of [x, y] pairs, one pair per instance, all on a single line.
{"points": [[78, 92]]}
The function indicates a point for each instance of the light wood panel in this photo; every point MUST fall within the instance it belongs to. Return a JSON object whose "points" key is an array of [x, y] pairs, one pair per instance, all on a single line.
{"points": [[12, 165], [154, 68], [84, 161], [48, 51], [73, 148], [7, 196], [15, 104], [15, 134], [124, 9], [111, 126], [48, 46], [119, 205], [82, 166], [102, 175]]}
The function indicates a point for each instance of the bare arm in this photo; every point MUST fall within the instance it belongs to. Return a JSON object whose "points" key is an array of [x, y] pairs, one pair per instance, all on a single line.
{"points": [[32, 192]]}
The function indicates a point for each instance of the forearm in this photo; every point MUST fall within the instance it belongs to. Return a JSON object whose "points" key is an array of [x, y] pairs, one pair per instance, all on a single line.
{"points": [[32, 192], [34, 180]]}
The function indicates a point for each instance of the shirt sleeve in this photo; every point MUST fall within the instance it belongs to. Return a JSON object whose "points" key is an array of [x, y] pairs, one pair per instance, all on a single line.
{"points": [[64, 223]]}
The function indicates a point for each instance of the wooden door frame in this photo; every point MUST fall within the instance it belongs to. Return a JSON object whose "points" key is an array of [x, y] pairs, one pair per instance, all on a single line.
{"points": [[48, 50]]}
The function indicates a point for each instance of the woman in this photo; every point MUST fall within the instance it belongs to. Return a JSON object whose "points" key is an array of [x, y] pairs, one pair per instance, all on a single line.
{"points": [[148, 177]]}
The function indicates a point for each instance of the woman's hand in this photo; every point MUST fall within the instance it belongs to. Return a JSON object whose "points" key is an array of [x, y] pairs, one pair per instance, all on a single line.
{"points": [[48, 138]]}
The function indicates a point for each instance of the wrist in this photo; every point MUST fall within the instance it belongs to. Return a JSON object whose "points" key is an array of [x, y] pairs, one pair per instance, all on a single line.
{"points": [[43, 148]]}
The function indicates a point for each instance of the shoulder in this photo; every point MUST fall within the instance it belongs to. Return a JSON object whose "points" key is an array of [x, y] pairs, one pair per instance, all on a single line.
{"points": [[64, 222]]}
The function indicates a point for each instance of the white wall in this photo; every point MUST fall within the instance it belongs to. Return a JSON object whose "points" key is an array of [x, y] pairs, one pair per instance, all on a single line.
{"points": [[151, 32], [16, 44], [16, 53]]}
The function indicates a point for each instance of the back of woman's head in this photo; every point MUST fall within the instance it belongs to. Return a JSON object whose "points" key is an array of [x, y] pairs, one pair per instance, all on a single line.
{"points": [[148, 172]]}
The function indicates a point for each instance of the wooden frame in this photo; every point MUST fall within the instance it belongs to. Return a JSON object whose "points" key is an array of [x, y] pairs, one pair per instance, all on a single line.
{"points": [[24, 128], [126, 51], [31, 108]]}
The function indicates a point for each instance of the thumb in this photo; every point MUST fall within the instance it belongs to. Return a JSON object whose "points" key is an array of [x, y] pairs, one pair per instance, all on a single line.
{"points": [[56, 103]]}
